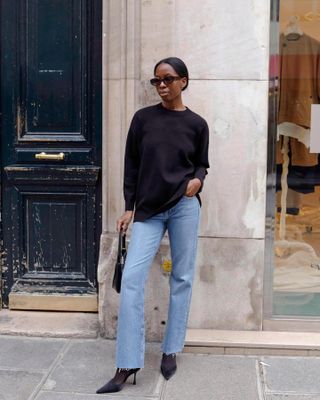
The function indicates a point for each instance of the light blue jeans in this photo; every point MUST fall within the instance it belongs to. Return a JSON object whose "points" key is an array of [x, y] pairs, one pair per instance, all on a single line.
{"points": [[182, 222]]}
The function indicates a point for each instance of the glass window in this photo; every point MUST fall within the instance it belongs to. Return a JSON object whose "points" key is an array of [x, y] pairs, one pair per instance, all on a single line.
{"points": [[296, 257]]}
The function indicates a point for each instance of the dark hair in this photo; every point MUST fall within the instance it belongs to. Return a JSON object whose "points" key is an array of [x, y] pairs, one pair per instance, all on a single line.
{"points": [[178, 65]]}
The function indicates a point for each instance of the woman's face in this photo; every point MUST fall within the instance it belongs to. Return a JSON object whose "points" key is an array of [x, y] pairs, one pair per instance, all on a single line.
{"points": [[171, 91]]}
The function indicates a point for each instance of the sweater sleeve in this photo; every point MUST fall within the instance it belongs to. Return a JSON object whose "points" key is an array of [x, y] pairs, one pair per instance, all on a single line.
{"points": [[201, 161], [131, 166]]}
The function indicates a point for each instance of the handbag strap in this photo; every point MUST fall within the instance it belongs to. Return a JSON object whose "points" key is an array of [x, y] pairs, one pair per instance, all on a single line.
{"points": [[121, 242]]}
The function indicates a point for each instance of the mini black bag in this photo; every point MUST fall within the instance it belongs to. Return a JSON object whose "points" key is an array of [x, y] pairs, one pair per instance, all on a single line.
{"points": [[121, 258]]}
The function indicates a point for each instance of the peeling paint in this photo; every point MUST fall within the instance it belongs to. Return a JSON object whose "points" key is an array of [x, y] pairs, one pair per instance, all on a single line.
{"points": [[51, 71], [255, 290], [20, 121], [253, 217], [221, 128]]}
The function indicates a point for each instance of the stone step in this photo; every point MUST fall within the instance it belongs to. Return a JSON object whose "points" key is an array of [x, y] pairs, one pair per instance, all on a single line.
{"points": [[252, 342], [49, 324]]}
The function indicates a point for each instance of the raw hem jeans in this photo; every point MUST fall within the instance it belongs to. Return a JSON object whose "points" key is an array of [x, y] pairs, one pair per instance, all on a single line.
{"points": [[182, 222]]}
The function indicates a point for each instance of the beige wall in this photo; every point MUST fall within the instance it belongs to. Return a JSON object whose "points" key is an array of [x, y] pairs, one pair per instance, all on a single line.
{"points": [[307, 13], [226, 51]]}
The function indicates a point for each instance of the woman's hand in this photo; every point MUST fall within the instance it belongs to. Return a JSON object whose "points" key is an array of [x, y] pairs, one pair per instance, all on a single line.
{"points": [[124, 221], [193, 187]]}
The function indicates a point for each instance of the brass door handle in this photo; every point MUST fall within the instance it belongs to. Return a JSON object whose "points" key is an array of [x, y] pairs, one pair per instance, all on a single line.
{"points": [[45, 156]]}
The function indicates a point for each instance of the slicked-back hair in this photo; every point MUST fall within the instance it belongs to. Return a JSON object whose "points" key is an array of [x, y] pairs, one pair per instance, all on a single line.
{"points": [[178, 65]]}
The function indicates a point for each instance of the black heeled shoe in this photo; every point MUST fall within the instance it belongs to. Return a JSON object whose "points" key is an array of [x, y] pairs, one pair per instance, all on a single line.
{"points": [[118, 381], [168, 365]]}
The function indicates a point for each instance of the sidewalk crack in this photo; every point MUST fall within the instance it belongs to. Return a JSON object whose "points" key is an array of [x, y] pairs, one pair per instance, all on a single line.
{"points": [[59, 356]]}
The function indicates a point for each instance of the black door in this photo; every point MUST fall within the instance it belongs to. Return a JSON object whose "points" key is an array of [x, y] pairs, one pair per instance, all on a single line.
{"points": [[50, 149]]}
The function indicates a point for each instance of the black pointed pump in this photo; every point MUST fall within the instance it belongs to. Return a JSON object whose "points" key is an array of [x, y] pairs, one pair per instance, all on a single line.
{"points": [[117, 382]]}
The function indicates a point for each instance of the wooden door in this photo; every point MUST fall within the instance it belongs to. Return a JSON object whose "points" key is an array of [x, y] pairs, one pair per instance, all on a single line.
{"points": [[50, 152]]}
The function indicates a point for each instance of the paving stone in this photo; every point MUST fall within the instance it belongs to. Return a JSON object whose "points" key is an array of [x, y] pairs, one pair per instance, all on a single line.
{"points": [[293, 375], [153, 355], [204, 377], [89, 364], [71, 396], [293, 397], [29, 353], [18, 385]]}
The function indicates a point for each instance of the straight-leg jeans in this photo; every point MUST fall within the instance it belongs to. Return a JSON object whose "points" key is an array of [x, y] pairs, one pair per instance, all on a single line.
{"points": [[182, 222]]}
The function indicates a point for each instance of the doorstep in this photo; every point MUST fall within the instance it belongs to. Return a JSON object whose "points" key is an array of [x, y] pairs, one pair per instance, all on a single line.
{"points": [[49, 324], [252, 342]]}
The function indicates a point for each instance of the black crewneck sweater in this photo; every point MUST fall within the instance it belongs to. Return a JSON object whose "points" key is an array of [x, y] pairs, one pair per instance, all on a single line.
{"points": [[164, 150]]}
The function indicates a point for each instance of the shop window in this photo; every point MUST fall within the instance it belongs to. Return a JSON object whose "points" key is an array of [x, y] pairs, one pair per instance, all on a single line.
{"points": [[295, 73]]}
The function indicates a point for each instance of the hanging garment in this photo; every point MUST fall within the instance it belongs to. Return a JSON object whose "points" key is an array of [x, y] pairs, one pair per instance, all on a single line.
{"points": [[299, 88], [300, 179]]}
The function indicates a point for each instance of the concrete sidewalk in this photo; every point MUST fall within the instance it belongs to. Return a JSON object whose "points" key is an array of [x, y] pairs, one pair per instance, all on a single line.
{"points": [[35, 368]]}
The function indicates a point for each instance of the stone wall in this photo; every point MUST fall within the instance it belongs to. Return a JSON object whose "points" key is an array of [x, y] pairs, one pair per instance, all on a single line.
{"points": [[226, 51]]}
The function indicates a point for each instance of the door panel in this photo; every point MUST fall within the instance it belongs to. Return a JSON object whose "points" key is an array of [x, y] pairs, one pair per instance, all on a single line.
{"points": [[53, 67], [53, 57], [50, 145], [50, 224]]}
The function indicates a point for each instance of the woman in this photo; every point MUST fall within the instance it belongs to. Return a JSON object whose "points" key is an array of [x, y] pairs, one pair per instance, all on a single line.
{"points": [[166, 160]]}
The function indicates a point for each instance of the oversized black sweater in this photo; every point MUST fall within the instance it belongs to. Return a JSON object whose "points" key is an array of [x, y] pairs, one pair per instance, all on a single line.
{"points": [[164, 150]]}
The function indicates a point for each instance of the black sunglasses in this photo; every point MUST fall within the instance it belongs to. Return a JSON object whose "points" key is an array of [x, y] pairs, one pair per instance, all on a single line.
{"points": [[167, 80]]}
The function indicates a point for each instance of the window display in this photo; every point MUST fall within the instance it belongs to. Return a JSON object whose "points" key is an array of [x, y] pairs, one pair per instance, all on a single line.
{"points": [[296, 274]]}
